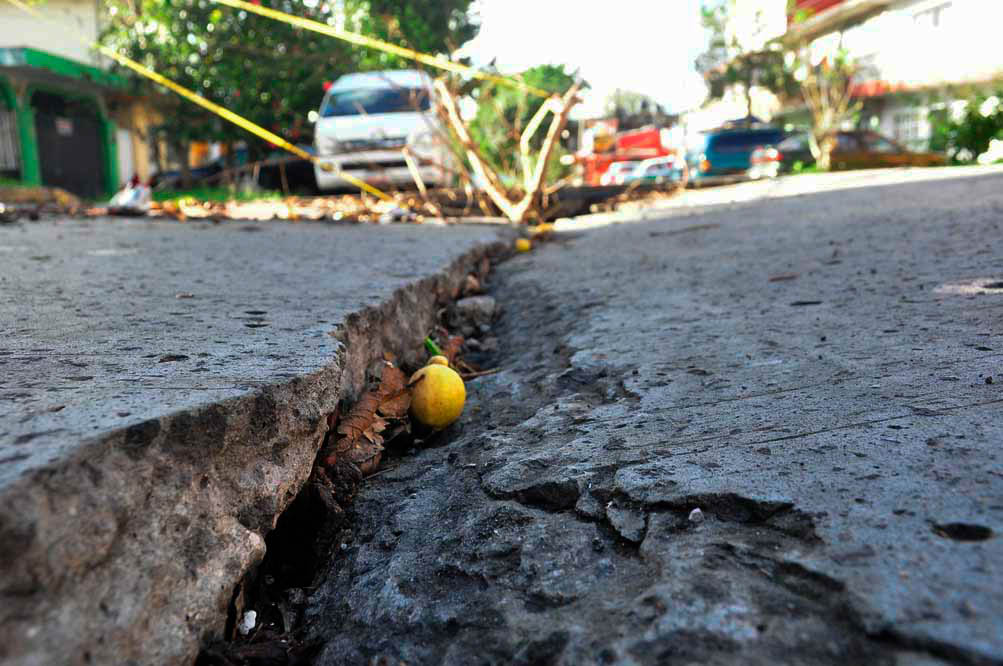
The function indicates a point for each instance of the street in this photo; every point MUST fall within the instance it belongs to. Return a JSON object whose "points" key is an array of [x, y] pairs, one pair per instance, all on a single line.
{"points": [[797, 370], [500, 332], [751, 433]]}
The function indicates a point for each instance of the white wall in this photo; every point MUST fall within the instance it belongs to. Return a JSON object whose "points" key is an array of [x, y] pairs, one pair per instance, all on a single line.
{"points": [[126, 161], [752, 23], [80, 17], [930, 42]]}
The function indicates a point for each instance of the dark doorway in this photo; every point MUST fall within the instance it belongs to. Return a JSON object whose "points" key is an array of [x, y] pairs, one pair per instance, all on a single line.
{"points": [[70, 149]]}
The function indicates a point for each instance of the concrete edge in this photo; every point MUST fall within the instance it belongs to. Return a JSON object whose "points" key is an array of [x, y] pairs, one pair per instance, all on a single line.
{"points": [[129, 551]]}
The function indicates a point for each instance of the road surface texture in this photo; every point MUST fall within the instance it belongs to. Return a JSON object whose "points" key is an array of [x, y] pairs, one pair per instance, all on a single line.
{"points": [[810, 373], [747, 192], [165, 388]]}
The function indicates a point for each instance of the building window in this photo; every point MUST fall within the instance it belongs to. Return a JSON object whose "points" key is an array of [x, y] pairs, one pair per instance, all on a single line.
{"points": [[909, 127], [932, 17]]}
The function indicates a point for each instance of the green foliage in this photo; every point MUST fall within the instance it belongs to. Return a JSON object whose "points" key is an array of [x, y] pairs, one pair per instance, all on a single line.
{"points": [[218, 194], [428, 26], [727, 63], [965, 137], [265, 70], [504, 111]]}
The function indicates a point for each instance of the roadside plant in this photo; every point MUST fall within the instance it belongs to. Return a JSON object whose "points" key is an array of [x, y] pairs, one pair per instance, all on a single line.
{"points": [[826, 84], [968, 133], [520, 189]]}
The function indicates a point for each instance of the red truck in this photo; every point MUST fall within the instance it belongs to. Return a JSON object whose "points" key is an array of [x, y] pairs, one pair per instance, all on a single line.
{"points": [[628, 146]]}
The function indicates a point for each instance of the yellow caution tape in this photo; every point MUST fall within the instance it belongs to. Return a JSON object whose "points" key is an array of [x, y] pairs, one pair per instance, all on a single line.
{"points": [[234, 118], [362, 40]]}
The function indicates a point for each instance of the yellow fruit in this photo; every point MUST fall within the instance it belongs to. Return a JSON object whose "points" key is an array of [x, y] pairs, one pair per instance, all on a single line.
{"points": [[437, 399], [438, 360], [523, 245], [541, 229]]}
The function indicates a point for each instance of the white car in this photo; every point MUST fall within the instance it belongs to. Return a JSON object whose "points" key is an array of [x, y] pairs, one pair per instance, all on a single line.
{"points": [[658, 171], [367, 119], [616, 172]]}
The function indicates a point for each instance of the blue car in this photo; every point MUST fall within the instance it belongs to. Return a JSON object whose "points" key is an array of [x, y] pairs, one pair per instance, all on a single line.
{"points": [[725, 155]]}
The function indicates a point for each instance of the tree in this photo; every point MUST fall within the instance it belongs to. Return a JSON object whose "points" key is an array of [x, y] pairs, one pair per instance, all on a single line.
{"points": [[728, 61], [503, 112], [518, 201], [826, 82], [267, 71]]}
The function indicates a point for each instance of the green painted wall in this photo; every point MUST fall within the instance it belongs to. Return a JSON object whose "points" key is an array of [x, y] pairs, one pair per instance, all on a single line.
{"points": [[31, 174], [109, 149]]}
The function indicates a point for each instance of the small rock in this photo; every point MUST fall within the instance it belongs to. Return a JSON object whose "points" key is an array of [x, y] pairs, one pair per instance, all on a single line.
{"points": [[471, 285], [989, 379], [248, 623], [696, 516], [489, 344], [629, 523], [475, 310]]}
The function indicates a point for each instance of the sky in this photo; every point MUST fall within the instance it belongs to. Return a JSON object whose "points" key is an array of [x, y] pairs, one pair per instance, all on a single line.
{"points": [[643, 45]]}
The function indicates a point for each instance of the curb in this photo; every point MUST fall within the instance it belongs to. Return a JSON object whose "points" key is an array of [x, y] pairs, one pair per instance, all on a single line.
{"points": [[130, 550]]}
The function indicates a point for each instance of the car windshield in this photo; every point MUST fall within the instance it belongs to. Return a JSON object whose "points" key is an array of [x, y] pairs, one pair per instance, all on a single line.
{"points": [[739, 141], [796, 142], [375, 100]]}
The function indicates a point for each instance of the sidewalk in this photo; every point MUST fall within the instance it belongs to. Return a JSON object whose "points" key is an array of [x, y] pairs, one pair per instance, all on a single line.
{"points": [[166, 387]]}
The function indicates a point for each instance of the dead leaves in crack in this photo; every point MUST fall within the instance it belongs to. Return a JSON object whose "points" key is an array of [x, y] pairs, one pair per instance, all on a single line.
{"points": [[379, 415]]}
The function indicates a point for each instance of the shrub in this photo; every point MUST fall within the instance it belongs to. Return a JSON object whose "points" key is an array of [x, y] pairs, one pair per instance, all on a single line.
{"points": [[964, 136]]}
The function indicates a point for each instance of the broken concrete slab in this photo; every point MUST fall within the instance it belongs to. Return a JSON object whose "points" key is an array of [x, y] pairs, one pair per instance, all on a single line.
{"points": [[169, 387], [834, 427]]}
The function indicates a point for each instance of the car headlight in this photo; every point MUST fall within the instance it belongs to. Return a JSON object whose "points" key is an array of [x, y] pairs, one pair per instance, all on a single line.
{"points": [[327, 145]]}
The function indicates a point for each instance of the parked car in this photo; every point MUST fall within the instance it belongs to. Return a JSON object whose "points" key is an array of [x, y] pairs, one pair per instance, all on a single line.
{"points": [[657, 171], [365, 122], [616, 172], [764, 163], [299, 173], [724, 155], [855, 149], [167, 180]]}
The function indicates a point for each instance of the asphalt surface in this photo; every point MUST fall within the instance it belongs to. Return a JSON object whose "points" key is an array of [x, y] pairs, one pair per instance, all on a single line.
{"points": [[105, 324], [810, 373]]}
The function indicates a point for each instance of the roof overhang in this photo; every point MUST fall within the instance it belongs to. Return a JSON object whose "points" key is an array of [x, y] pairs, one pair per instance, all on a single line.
{"points": [[833, 18], [57, 69]]}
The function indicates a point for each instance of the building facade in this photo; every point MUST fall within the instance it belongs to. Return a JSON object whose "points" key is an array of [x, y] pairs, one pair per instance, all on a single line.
{"points": [[915, 57], [65, 120]]}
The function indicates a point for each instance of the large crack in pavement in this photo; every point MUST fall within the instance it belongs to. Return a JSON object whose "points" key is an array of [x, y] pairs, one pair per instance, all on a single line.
{"points": [[685, 460], [833, 427], [541, 534]]}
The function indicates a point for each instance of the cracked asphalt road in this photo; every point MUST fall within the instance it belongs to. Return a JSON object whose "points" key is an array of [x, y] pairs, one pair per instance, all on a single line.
{"points": [[795, 369]]}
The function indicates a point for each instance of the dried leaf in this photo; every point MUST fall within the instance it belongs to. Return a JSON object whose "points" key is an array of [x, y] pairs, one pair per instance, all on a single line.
{"points": [[372, 433], [361, 417], [452, 347], [395, 399]]}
